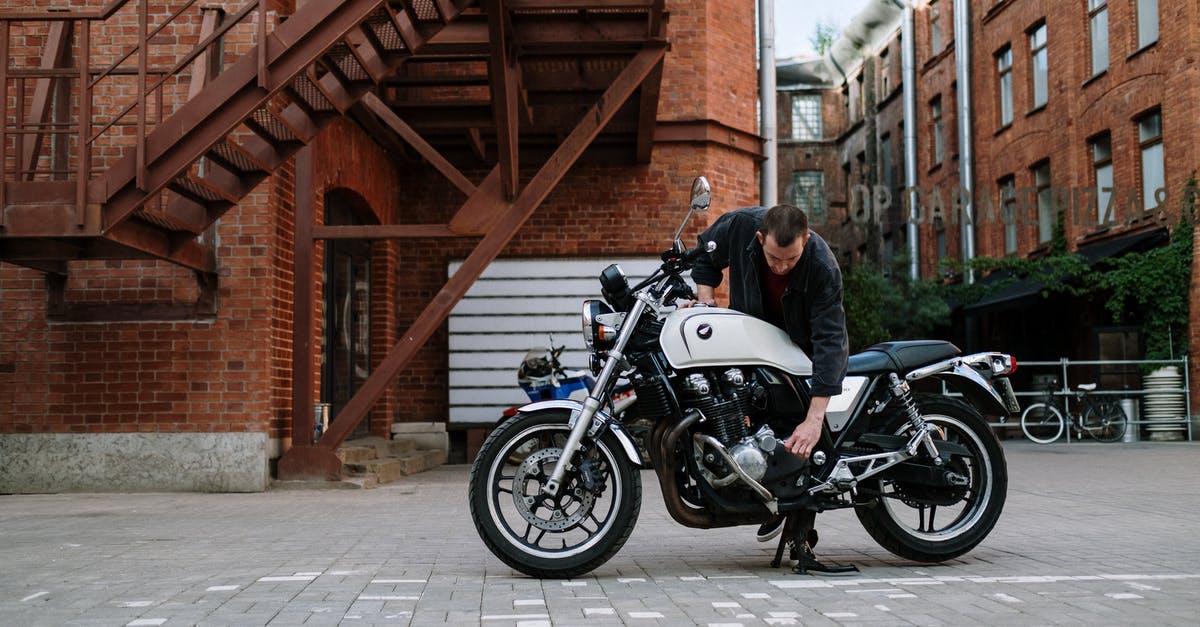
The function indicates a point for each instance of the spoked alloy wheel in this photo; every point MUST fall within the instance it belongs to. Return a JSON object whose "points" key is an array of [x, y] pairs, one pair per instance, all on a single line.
{"points": [[936, 523], [1105, 421], [1042, 423], [560, 536]]}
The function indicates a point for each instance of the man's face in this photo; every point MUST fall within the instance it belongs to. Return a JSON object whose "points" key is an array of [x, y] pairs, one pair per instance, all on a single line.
{"points": [[781, 259]]}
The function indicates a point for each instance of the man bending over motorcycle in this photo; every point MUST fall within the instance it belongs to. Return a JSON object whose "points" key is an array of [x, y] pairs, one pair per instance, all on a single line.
{"points": [[785, 274]]}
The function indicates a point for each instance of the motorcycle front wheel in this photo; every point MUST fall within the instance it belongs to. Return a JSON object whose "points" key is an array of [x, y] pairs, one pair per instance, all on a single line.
{"points": [[552, 537], [935, 523]]}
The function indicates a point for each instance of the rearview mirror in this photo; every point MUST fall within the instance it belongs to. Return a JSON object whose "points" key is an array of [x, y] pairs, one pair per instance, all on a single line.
{"points": [[701, 194]]}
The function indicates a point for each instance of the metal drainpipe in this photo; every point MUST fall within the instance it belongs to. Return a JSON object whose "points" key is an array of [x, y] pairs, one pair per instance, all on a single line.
{"points": [[908, 56], [966, 152], [766, 96]]}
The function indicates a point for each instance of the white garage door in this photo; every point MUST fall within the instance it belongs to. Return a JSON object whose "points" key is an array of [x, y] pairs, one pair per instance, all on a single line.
{"points": [[516, 305]]}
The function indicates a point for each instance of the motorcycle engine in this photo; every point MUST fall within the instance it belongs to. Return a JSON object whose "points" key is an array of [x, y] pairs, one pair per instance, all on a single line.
{"points": [[725, 400]]}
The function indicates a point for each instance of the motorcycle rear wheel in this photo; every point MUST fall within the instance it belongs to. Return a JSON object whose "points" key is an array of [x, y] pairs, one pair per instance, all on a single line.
{"points": [[905, 519], [552, 537]]}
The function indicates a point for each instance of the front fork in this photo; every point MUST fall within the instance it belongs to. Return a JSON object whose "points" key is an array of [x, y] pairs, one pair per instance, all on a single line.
{"points": [[583, 422]]}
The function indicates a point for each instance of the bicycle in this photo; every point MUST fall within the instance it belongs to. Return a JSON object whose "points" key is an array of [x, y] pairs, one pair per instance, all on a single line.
{"points": [[1102, 419]]}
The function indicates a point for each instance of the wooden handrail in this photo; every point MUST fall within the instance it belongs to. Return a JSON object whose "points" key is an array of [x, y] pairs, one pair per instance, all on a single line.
{"points": [[150, 80]]}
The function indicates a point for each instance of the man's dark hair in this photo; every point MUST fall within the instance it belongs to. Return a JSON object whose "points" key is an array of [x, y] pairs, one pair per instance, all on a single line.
{"points": [[785, 222]]}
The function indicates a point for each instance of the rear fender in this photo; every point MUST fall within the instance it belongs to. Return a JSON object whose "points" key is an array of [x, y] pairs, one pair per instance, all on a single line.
{"points": [[599, 423], [963, 374]]}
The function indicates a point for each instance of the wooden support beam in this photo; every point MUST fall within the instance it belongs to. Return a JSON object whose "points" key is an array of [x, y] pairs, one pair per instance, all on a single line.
{"points": [[305, 460], [383, 231], [648, 114], [504, 96], [393, 121], [491, 245]]}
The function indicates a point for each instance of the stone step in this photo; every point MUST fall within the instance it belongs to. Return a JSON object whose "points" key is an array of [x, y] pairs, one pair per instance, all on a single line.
{"points": [[372, 461], [384, 470]]}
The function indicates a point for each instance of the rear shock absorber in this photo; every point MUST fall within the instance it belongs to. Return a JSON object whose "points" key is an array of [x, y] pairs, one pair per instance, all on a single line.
{"points": [[908, 405]]}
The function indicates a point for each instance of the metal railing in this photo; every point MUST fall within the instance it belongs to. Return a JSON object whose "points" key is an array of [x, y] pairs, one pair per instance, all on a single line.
{"points": [[88, 79], [1065, 387]]}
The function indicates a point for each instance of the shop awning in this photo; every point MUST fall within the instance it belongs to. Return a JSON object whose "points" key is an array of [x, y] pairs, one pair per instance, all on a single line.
{"points": [[1020, 292]]}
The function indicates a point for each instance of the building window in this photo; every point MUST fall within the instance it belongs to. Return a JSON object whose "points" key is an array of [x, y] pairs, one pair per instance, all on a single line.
{"points": [[860, 102], [886, 175], [1008, 212], [1004, 74], [885, 73], [1153, 174], [806, 117], [935, 111], [808, 193], [1103, 169], [935, 28], [1098, 18], [1147, 22], [1040, 70], [1045, 208], [939, 227]]}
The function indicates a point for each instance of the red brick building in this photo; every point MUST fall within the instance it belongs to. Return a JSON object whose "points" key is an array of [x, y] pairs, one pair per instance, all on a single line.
{"points": [[1076, 109], [151, 327]]}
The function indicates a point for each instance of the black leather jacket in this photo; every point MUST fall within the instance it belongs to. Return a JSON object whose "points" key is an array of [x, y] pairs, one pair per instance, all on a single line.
{"points": [[812, 304]]}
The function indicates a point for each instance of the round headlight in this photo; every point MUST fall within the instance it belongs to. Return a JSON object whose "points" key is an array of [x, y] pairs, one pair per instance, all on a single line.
{"points": [[593, 331]]}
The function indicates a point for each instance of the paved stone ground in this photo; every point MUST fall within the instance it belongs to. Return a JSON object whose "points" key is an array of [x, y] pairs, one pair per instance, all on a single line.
{"points": [[1092, 534]]}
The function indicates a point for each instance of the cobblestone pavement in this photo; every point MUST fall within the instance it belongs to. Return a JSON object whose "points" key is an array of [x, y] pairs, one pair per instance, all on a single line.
{"points": [[1092, 535]]}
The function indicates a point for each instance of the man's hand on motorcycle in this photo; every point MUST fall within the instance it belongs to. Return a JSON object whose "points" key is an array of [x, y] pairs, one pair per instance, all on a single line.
{"points": [[705, 297], [804, 438]]}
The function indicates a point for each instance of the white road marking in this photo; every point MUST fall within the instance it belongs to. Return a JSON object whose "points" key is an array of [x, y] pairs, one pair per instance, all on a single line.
{"points": [[598, 611], [883, 608], [755, 595], [574, 583], [399, 581], [288, 578], [220, 588], [645, 615], [1141, 586], [1122, 596], [1007, 598], [143, 622], [35, 595], [137, 604], [520, 602], [515, 617], [841, 615], [726, 604], [631, 580]]}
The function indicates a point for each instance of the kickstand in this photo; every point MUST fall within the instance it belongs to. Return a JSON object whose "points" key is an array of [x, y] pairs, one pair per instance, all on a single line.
{"points": [[799, 537]]}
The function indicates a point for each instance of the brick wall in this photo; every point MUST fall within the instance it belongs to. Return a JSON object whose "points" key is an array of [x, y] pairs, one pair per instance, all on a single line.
{"points": [[233, 372]]}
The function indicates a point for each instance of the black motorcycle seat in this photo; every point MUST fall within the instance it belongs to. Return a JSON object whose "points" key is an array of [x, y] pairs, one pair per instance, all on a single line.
{"points": [[900, 356]]}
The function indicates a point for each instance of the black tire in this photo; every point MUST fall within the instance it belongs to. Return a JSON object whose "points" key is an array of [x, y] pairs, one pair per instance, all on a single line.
{"points": [[1042, 423], [974, 508], [572, 534], [1105, 421]]}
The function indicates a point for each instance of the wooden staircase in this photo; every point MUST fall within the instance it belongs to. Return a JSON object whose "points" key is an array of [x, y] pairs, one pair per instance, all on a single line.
{"points": [[180, 176]]}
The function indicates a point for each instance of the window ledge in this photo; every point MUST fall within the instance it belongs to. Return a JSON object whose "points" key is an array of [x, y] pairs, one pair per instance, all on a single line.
{"points": [[1095, 77], [1001, 130], [935, 167], [1036, 110], [1139, 51]]}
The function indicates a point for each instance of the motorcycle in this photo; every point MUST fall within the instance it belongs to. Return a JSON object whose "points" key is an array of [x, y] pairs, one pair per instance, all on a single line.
{"points": [[555, 491]]}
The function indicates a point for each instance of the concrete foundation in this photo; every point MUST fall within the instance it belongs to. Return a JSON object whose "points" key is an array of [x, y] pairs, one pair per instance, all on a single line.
{"points": [[133, 462]]}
